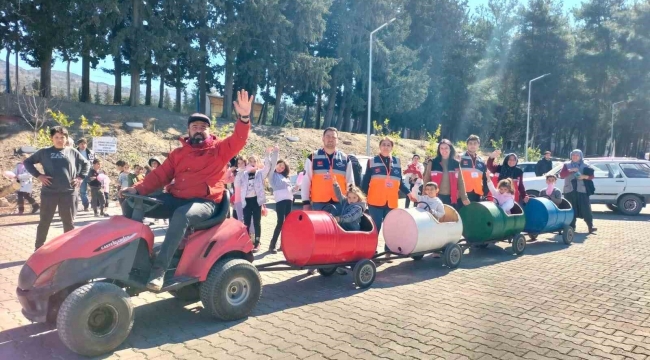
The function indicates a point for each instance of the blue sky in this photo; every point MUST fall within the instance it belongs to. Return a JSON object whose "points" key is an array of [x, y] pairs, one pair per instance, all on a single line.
{"points": [[97, 75]]}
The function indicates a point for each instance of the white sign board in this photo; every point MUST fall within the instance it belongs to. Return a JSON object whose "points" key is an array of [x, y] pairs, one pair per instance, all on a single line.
{"points": [[105, 145]]}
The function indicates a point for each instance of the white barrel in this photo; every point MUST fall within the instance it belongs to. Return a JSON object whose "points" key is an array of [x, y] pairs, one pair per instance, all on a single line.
{"points": [[414, 230]]}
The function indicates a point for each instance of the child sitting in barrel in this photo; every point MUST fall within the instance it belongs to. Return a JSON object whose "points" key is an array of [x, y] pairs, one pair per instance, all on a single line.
{"points": [[551, 192], [505, 195], [430, 198], [350, 208]]}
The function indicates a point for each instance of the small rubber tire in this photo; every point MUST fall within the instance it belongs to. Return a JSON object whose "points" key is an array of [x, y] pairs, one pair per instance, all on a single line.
{"points": [[453, 255], [103, 303], [567, 234], [329, 271], [630, 205], [533, 237], [231, 290], [612, 207], [518, 244], [417, 257], [364, 273], [187, 293]]}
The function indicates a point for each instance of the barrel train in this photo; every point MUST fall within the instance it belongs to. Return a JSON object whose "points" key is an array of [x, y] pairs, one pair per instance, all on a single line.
{"points": [[314, 240]]}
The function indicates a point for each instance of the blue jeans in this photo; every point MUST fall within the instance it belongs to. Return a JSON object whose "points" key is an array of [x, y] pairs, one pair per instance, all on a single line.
{"points": [[83, 192], [378, 214]]}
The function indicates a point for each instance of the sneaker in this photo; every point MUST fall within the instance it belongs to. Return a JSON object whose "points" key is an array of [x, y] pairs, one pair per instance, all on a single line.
{"points": [[20, 212], [156, 284], [592, 229], [86, 209], [105, 214], [35, 208]]}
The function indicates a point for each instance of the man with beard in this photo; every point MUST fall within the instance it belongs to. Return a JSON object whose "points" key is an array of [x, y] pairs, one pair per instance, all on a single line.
{"points": [[197, 170]]}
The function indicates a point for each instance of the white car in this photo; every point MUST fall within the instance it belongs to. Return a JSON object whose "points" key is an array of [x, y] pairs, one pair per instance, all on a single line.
{"points": [[363, 161], [529, 168], [623, 184]]}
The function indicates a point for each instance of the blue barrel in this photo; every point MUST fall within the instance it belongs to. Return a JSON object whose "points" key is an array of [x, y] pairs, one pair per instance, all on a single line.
{"points": [[543, 216]]}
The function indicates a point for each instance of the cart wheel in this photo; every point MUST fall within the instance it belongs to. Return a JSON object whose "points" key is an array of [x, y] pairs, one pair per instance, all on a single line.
{"points": [[519, 244], [532, 237], [567, 234], [364, 273], [452, 256], [417, 257], [329, 271]]}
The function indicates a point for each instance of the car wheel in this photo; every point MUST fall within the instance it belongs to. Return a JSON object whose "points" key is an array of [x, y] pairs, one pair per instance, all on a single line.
{"points": [[630, 204]]}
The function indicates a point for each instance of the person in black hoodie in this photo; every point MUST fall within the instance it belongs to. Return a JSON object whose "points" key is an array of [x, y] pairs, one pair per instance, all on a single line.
{"points": [[509, 170], [544, 165]]}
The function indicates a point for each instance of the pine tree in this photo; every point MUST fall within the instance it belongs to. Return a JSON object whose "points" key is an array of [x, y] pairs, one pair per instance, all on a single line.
{"points": [[98, 97], [75, 95], [168, 104], [108, 97]]}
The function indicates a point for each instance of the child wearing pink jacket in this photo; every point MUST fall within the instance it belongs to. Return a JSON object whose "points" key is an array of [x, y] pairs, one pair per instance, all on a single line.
{"points": [[505, 195]]}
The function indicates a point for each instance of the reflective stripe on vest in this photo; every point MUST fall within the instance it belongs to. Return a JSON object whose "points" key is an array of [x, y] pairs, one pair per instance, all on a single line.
{"points": [[384, 188], [436, 177], [322, 189], [473, 174]]}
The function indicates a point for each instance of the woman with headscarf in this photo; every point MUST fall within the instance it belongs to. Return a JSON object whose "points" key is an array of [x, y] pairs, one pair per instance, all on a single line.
{"points": [[444, 170], [509, 170], [578, 185]]}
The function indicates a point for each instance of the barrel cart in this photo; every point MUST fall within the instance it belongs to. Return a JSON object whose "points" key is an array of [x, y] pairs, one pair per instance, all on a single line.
{"points": [[314, 240], [486, 223], [415, 232], [543, 217]]}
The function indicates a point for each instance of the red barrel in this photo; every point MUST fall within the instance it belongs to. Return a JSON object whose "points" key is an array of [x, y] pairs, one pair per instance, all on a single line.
{"points": [[315, 238]]}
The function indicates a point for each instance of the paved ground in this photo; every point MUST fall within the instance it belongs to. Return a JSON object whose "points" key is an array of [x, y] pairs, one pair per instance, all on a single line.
{"points": [[589, 300]]}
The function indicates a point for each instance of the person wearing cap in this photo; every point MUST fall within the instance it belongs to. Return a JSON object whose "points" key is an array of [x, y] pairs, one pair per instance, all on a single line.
{"points": [[198, 170], [544, 165]]}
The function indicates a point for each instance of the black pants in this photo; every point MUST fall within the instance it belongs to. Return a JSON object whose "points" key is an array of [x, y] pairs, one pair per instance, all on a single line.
{"points": [[106, 197], [67, 204], [473, 197], [253, 211], [22, 196], [183, 213], [282, 208], [408, 201], [97, 199]]}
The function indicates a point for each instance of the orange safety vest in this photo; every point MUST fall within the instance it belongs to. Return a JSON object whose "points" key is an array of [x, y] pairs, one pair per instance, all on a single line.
{"points": [[322, 188], [384, 186], [495, 181], [473, 172]]}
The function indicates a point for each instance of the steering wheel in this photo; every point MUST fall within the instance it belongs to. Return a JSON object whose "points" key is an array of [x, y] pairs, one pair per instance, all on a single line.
{"points": [[427, 207], [148, 203]]}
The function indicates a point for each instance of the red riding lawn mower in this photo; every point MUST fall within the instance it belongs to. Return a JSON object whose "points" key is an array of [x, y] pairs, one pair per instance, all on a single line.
{"points": [[82, 279]]}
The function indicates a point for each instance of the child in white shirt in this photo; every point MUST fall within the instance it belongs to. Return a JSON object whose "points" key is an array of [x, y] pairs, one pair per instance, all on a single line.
{"points": [[430, 198]]}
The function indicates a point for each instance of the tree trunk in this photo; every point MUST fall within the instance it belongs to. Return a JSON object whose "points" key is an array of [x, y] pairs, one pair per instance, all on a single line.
{"points": [[46, 74], [85, 77], [8, 71], [229, 83], [177, 107], [265, 113], [117, 66], [202, 79], [339, 120], [67, 80], [331, 101], [147, 95], [279, 88], [134, 98], [178, 104], [319, 105], [17, 82], [162, 89]]}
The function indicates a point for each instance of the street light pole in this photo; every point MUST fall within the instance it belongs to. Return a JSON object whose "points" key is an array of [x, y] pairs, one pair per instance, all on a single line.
{"points": [[530, 85], [370, 85], [611, 138]]}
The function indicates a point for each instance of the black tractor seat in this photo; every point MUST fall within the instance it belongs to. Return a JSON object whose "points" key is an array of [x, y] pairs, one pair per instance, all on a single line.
{"points": [[222, 212]]}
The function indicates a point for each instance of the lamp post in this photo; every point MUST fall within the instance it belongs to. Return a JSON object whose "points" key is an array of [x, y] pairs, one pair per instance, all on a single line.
{"points": [[611, 138], [370, 85], [530, 85]]}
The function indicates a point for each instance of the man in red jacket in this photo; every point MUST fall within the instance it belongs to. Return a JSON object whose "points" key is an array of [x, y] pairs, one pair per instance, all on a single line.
{"points": [[197, 170]]}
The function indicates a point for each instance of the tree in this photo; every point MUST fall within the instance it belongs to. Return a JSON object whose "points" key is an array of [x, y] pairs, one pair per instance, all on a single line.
{"points": [[98, 97], [168, 101], [43, 18], [107, 96]]}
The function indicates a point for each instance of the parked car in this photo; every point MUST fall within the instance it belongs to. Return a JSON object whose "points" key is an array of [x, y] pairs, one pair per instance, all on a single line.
{"points": [[623, 184], [363, 161], [529, 167]]}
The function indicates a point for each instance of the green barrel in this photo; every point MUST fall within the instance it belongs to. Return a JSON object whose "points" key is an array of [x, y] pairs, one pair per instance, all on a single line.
{"points": [[485, 221]]}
